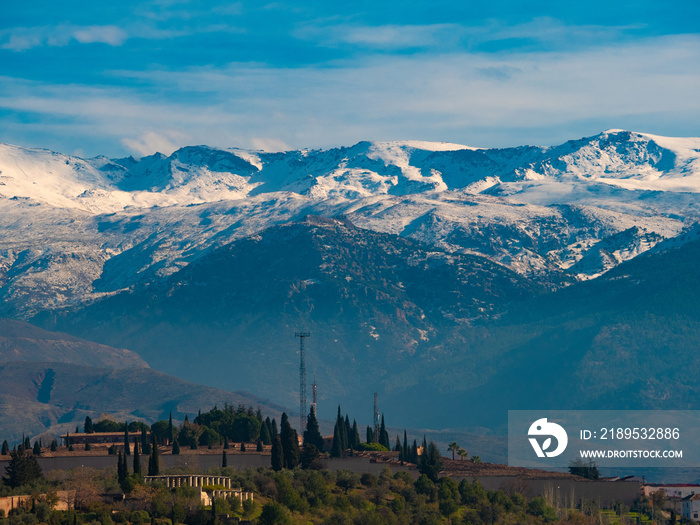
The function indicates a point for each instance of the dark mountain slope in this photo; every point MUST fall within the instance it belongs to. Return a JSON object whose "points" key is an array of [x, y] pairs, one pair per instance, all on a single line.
{"points": [[375, 304], [628, 340]]}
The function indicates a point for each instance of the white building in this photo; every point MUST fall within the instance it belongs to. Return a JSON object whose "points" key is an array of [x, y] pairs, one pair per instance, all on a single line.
{"points": [[691, 507]]}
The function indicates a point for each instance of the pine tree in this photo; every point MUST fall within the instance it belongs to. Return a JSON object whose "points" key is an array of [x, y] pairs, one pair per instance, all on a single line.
{"points": [[277, 458], [137, 459], [290, 443], [88, 428], [224, 462], [312, 434], [22, 468], [5, 448], [127, 447]]}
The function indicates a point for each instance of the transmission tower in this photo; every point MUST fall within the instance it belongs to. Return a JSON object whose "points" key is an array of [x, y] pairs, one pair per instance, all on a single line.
{"points": [[302, 379], [376, 420], [313, 403]]}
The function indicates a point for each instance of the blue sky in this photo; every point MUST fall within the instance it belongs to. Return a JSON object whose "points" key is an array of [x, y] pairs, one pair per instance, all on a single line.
{"points": [[140, 77]]}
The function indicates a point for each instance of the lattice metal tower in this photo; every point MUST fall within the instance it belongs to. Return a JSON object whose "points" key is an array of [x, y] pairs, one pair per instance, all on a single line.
{"points": [[302, 380]]}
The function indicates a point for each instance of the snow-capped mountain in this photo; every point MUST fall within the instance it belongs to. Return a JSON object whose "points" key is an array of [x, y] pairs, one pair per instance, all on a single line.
{"points": [[72, 230]]}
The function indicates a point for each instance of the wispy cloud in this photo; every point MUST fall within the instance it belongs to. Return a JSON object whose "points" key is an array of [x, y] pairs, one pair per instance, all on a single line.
{"points": [[21, 39], [164, 142], [480, 99], [390, 37]]}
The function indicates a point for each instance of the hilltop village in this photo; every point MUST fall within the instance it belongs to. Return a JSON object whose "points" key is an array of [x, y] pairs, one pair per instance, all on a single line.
{"points": [[232, 465]]}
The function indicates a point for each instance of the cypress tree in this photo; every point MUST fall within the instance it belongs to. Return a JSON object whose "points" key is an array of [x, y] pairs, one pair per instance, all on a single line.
{"points": [[277, 458], [37, 448], [243, 447], [87, 445], [225, 443], [27, 443], [88, 428], [154, 461], [398, 447], [423, 457], [259, 446], [312, 434], [347, 432], [336, 448], [370, 435], [290, 443], [54, 445], [384, 435], [5, 448], [355, 436], [137, 459], [170, 428], [224, 462], [414, 452], [68, 445], [127, 446], [176, 448], [265, 434], [145, 442], [431, 461], [274, 431], [405, 446], [121, 471]]}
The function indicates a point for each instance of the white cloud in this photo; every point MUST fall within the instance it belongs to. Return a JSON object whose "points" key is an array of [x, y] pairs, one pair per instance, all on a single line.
{"points": [[151, 142], [475, 99], [24, 38], [269, 144], [390, 37], [112, 35]]}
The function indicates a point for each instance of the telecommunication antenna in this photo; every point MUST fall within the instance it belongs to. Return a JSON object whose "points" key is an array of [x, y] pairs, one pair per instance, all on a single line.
{"points": [[376, 420], [302, 379], [313, 389]]}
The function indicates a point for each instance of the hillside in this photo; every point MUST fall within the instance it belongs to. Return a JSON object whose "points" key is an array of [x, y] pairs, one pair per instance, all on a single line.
{"points": [[23, 342], [49, 382]]}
